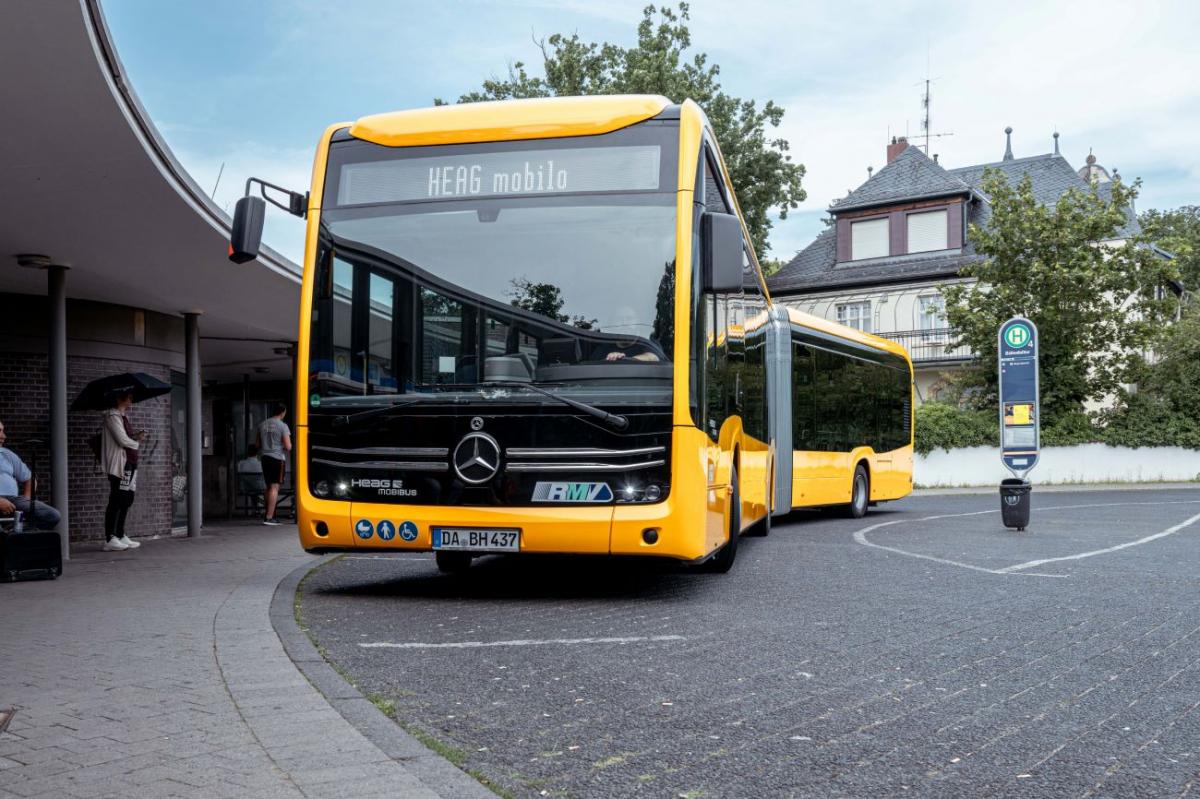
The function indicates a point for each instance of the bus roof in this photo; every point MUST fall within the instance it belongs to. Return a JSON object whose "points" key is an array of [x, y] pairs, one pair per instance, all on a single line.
{"points": [[802, 319], [508, 120]]}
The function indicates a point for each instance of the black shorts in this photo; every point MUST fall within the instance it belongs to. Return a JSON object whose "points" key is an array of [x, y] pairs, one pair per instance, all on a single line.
{"points": [[273, 470]]}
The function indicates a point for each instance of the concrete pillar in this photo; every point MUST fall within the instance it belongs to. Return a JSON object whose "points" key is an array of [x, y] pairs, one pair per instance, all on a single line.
{"points": [[57, 367], [195, 469]]}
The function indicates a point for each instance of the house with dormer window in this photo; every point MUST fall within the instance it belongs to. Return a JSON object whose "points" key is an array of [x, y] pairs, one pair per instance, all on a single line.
{"points": [[894, 242]]}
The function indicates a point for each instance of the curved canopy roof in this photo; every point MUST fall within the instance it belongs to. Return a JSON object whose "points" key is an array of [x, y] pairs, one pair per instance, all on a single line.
{"points": [[86, 179]]}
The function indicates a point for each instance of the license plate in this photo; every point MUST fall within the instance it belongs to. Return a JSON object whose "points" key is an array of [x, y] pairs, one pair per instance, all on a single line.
{"points": [[476, 540]]}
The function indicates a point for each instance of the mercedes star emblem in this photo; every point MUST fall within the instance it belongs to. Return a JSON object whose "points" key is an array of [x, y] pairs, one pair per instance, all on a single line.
{"points": [[477, 458]]}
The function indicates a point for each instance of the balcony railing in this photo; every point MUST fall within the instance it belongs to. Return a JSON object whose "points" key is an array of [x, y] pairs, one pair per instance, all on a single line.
{"points": [[930, 346]]}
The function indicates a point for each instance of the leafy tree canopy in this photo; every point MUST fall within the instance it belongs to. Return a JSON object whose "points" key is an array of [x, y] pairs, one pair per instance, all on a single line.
{"points": [[545, 299], [1177, 232], [763, 174], [1095, 304]]}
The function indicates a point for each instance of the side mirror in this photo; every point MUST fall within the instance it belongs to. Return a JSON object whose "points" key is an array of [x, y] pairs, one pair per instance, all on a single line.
{"points": [[721, 253], [246, 236]]}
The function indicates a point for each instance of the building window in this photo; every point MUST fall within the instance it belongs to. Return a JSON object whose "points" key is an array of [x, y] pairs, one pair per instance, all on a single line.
{"points": [[856, 315], [932, 311], [928, 231], [869, 239]]}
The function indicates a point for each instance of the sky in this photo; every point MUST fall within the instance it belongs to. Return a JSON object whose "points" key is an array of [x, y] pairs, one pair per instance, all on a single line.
{"points": [[245, 88]]}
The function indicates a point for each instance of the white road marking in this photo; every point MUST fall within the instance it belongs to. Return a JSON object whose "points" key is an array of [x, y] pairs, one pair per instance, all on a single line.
{"points": [[1019, 570], [632, 639], [861, 537], [1106, 550]]}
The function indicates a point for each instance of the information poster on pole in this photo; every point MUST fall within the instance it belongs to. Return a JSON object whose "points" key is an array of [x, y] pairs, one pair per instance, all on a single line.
{"points": [[1020, 414]]}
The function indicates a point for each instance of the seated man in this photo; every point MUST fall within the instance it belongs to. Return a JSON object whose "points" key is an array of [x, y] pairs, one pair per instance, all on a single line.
{"points": [[250, 464], [16, 491], [250, 477]]}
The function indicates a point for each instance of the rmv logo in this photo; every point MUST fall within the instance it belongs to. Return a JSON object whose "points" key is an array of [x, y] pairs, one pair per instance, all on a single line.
{"points": [[572, 492]]}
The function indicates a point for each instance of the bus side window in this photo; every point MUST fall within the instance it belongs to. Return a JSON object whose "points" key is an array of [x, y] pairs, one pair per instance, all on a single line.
{"points": [[754, 379], [834, 388], [802, 397], [714, 362], [714, 197]]}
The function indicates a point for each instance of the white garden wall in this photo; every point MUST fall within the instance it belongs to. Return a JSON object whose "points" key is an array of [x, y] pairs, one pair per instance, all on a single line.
{"points": [[1086, 463]]}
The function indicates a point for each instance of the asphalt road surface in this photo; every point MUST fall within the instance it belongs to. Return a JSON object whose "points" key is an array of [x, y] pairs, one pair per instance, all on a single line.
{"points": [[924, 650]]}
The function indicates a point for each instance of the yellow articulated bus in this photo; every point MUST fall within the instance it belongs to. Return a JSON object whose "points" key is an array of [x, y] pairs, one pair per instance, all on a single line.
{"points": [[539, 326]]}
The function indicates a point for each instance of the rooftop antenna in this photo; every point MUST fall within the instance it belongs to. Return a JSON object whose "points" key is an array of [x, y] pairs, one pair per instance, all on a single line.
{"points": [[220, 172], [926, 102]]}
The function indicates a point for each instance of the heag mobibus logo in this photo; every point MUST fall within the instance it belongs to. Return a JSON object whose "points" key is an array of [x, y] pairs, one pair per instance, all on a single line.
{"points": [[383, 487]]}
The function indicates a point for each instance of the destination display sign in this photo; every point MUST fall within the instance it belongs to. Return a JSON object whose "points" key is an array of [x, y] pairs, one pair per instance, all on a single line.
{"points": [[524, 172], [1020, 415]]}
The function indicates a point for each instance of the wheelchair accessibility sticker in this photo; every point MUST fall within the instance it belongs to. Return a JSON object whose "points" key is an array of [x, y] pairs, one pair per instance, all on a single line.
{"points": [[408, 531]]}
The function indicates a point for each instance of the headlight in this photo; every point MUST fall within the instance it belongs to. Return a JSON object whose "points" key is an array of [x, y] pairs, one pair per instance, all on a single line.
{"points": [[321, 489], [342, 489], [653, 493]]}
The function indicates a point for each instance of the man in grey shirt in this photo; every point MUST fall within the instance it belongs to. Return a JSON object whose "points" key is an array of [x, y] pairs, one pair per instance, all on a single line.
{"points": [[16, 491], [274, 443]]}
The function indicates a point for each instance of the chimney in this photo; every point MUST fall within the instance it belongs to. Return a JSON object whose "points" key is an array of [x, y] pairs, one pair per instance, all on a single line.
{"points": [[896, 147]]}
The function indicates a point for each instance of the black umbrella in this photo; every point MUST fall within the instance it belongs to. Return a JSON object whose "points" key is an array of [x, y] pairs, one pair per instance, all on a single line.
{"points": [[102, 393]]}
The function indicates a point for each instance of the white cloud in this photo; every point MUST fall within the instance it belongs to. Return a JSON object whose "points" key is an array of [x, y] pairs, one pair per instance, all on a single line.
{"points": [[290, 168], [1114, 76]]}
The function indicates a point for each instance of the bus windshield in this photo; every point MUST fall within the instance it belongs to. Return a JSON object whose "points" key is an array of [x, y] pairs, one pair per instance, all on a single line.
{"points": [[424, 287]]}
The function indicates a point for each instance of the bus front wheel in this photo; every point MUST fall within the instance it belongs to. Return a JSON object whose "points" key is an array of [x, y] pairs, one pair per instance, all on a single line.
{"points": [[452, 562], [860, 495], [722, 562]]}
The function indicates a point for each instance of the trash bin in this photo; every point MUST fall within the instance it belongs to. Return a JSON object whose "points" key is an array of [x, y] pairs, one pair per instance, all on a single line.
{"points": [[1014, 502]]}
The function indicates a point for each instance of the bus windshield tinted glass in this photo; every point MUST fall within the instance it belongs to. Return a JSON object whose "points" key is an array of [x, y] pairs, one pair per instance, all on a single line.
{"points": [[444, 294]]}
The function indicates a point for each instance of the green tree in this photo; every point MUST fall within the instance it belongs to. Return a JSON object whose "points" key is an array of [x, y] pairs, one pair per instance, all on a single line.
{"points": [[1175, 374], [1095, 304], [763, 174], [545, 299], [1177, 232]]}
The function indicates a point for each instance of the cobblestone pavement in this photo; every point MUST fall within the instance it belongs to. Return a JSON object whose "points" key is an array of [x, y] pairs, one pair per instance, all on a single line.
{"points": [[157, 673], [924, 650]]}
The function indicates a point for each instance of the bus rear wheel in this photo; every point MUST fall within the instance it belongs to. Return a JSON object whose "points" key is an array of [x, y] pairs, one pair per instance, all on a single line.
{"points": [[722, 562], [452, 562], [860, 495]]}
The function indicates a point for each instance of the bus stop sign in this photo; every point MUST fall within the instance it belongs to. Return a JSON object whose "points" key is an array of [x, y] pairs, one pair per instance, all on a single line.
{"points": [[1020, 414]]}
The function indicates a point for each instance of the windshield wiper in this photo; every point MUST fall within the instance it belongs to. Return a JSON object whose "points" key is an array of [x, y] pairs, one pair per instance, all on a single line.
{"points": [[614, 420], [348, 418]]}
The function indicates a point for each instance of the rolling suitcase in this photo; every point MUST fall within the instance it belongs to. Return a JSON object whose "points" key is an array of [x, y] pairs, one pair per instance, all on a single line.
{"points": [[30, 555]]}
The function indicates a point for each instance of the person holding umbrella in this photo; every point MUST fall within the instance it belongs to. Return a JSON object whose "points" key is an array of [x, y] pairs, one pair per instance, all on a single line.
{"points": [[119, 457], [117, 444]]}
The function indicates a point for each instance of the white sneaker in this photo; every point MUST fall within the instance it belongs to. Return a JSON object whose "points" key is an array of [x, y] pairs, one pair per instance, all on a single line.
{"points": [[115, 545], [129, 542]]}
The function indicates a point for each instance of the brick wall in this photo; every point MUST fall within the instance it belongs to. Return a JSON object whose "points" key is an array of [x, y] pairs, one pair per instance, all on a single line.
{"points": [[24, 409]]}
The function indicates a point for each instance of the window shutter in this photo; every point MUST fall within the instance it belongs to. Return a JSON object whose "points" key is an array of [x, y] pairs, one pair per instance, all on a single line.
{"points": [[927, 231], [869, 239]]}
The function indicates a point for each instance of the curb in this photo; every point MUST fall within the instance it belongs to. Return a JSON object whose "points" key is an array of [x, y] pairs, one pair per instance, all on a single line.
{"points": [[439, 774], [1056, 488]]}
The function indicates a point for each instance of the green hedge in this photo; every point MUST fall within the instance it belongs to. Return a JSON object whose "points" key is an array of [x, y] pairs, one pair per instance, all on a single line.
{"points": [[1148, 421], [1141, 421], [939, 425]]}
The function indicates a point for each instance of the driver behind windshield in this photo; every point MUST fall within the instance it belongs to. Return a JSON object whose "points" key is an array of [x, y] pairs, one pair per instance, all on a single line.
{"points": [[631, 350]]}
